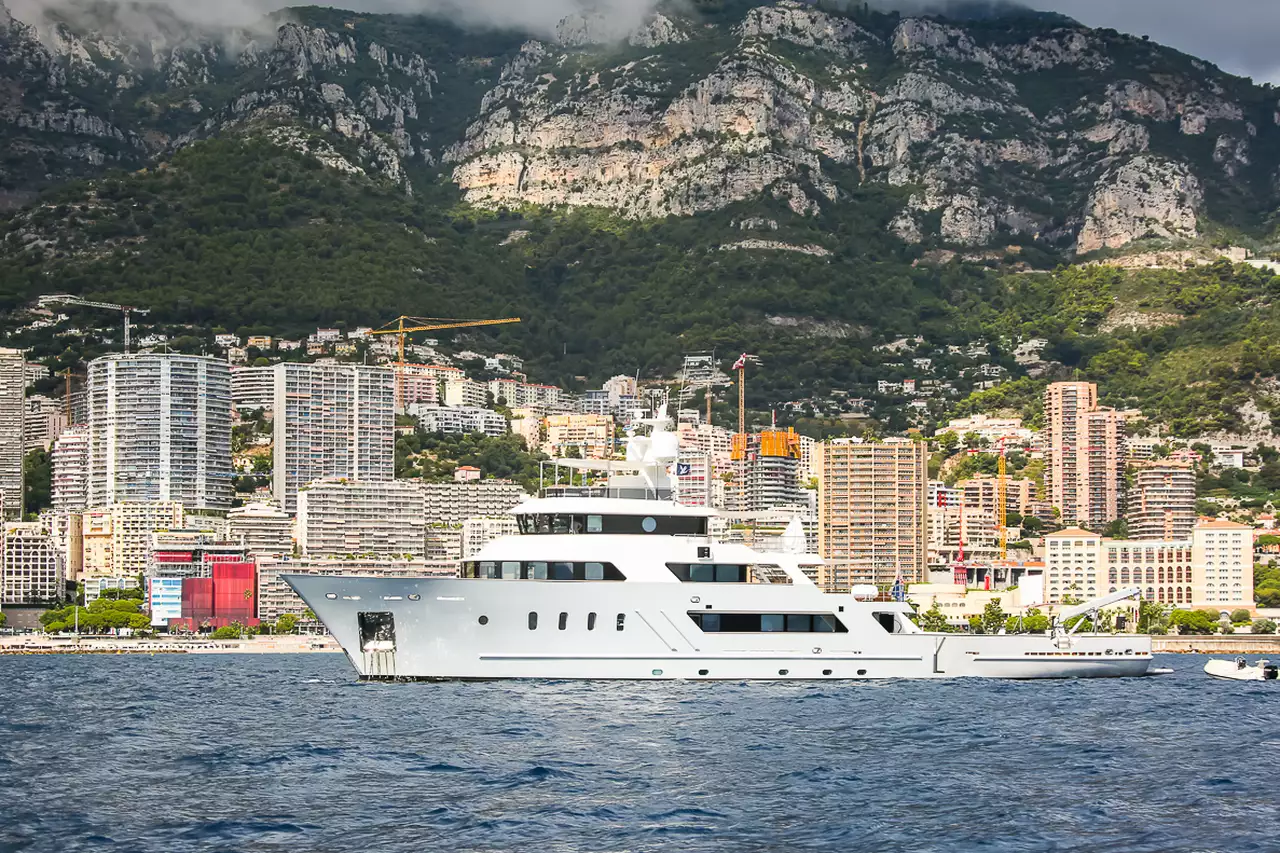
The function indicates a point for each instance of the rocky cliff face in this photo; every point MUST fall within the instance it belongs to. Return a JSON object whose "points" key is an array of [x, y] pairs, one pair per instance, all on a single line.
{"points": [[1038, 129]]}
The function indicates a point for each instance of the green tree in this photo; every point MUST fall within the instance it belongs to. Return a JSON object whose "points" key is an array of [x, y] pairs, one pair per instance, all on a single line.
{"points": [[234, 631], [1153, 617], [1240, 616], [37, 471], [3, 619], [1193, 621], [287, 624], [1260, 626], [933, 620], [992, 617]]}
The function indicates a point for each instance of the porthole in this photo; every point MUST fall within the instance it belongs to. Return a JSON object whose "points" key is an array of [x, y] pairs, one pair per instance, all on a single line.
{"points": [[413, 596], [648, 525], [483, 620], [704, 672], [330, 595], [826, 672], [657, 672], [862, 672], [783, 671]]}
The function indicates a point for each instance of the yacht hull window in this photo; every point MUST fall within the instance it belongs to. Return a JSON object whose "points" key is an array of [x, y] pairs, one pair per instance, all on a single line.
{"points": [[377, 632], [535, 570], [765, 623]]}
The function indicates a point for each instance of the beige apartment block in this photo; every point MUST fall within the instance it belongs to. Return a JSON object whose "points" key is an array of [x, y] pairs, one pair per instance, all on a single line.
{"points": [[590, 434], [1162, 502], [1084, 454], [872, 512]]}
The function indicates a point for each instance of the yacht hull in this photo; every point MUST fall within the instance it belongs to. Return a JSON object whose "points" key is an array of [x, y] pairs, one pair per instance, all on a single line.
{"points": [[395, 629]]}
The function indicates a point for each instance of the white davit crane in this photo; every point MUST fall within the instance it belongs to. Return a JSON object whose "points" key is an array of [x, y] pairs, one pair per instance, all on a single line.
{"points": [[1093, 605], [68, 299]]}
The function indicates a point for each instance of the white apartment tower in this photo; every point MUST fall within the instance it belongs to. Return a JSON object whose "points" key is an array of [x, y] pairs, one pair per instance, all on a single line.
{"points": [[13, 386], [30, 566], [262, 528], [71, 471], [160, 430], [331, 420]]}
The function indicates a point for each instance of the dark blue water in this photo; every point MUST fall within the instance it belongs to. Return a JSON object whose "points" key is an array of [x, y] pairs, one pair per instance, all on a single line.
{"points": [[288, 753]]}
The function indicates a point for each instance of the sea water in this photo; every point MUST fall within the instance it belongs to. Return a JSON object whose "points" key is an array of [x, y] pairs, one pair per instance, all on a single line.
{"points": [[290, 753]]}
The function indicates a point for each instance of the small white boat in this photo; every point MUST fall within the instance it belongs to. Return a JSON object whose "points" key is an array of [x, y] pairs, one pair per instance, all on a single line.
{"points": [[1239, 670]]}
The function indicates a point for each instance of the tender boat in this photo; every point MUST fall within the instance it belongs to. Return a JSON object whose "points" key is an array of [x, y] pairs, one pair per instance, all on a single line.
{"points": [[631, 585], [1239, 670]]}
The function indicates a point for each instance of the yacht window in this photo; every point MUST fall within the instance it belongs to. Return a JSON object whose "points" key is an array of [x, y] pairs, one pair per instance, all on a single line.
{"points": [[560, 523], [594, 524], [729, 574], [545, 523], [595, 571], [756, 623], [541, 570], [649, 525], [537, 571], [564, 621], [488, 569], [533, 621], [591, 621], [562, 571], [799, 622], [511, 570], [622, 621], [887, 621], [709, 572]]}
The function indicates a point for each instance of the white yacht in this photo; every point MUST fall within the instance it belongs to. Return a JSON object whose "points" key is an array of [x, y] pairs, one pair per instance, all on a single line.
{"points": [[605, 587]]}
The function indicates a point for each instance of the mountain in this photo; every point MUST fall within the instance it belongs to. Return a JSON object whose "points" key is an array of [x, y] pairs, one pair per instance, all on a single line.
{"points": [[803, 180]]}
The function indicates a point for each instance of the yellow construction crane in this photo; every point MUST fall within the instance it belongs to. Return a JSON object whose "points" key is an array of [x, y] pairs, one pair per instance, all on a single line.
{"points": [[402, 326], [67, 374]]}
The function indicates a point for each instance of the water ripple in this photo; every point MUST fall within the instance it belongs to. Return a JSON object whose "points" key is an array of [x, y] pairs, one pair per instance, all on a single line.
{"points": [[289, 753]]}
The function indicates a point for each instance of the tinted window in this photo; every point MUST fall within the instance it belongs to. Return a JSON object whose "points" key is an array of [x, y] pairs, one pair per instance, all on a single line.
{"points": [[755, 623], [728, 574], [661, 525], [771, 622], [799, 622], [594, 524], [564, 621], [709, 573], [537, 571], [595, 571], [533, 621], [711, 621], [702, 573], [622, 621], [511, 570], [562, 571], [591, 621]]}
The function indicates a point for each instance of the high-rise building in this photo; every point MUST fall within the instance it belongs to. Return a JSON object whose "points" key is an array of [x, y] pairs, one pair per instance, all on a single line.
{"points": [[45, 419], [337, 517], [13, 387], [70, 460], [30, 566], [767, 469], [331, 420], [1085, 457], [871, 512], [1162, 502], [263, 528], [160, 430]]}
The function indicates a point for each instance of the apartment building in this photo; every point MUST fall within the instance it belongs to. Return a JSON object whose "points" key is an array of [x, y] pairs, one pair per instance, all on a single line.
{"points": [[30, 566], [262, 528], [1210, 568], [466, 392], [1162, 501], [1085, 454], [253, 388], [481, 530], [117, 540], [872, 512], [515, 394], [331, 420], [70, 462], [160, 431], [337, 517], [454, 503], [44, 420], [459, 419], [13, 386], [766, 468], [591, 435]]}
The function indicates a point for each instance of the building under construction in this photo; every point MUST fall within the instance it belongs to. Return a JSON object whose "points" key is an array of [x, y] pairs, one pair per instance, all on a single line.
{"points": [[766, 471]]}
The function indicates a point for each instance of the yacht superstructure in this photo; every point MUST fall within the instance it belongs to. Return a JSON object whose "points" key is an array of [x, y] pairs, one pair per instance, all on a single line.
{"points": [[629, 588]]}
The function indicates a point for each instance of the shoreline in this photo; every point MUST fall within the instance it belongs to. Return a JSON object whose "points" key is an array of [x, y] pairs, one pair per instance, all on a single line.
{"points": [[288, 644]]}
